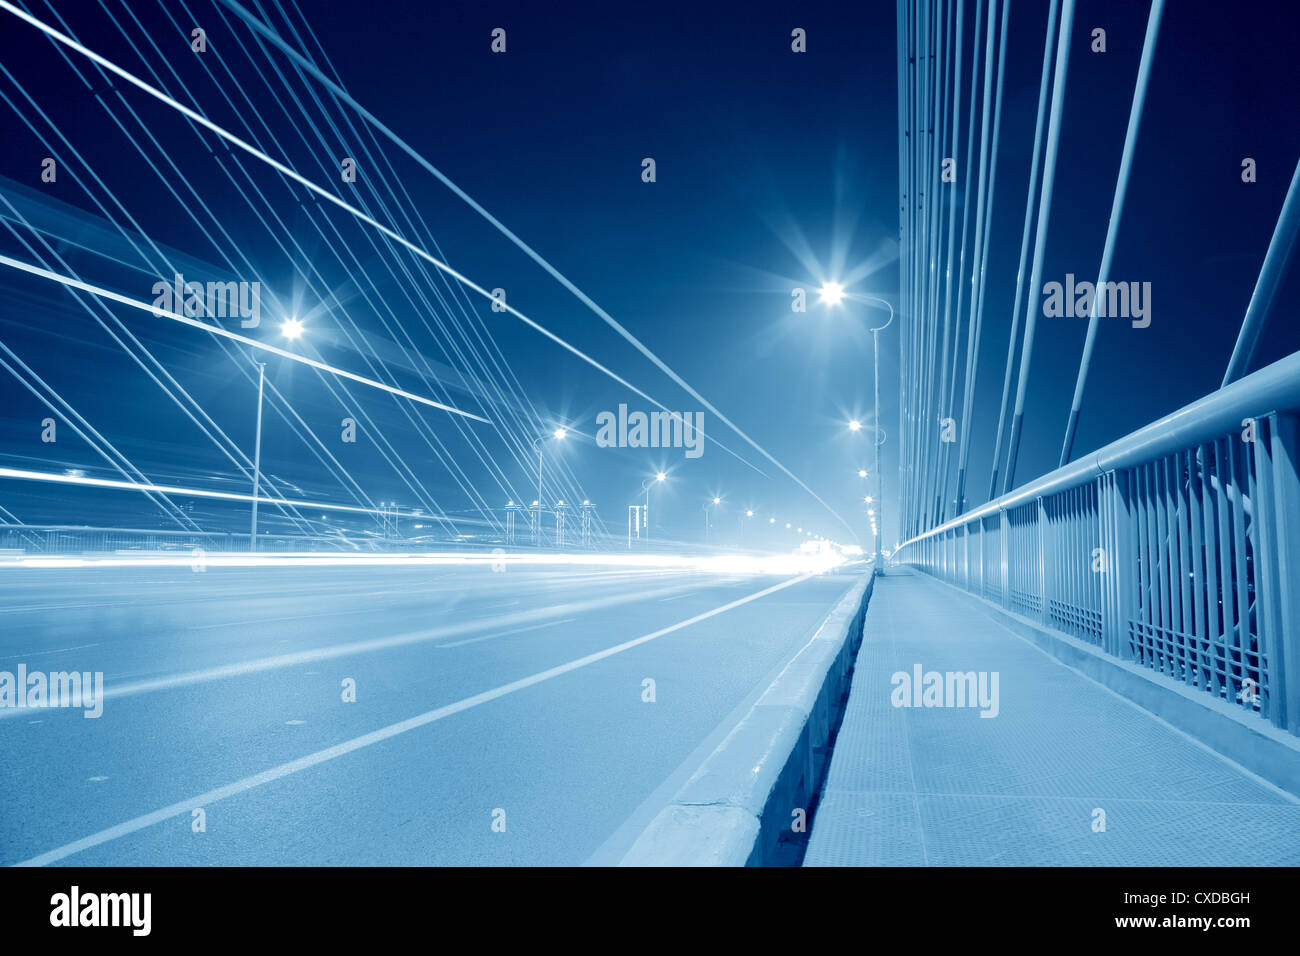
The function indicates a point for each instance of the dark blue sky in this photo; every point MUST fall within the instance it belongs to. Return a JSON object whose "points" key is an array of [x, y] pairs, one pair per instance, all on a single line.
{"points": [[771, 166]]}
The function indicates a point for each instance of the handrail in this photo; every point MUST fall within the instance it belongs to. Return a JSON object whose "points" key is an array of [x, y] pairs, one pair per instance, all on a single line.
{"points": [[1274, 387]]}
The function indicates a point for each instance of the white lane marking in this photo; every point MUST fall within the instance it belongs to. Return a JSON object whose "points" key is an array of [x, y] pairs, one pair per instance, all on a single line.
{"points": [[517, 630], [380, 735], [97, 779], [306, 617], [359, 647], [281, 620], [295, 723], [57, 650]]}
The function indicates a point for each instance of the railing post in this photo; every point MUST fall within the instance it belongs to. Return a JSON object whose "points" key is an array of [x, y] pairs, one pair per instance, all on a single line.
{"points": [[1004, 532], [1044, 597], [965, 529], [1277, 553], [1121, 565]]}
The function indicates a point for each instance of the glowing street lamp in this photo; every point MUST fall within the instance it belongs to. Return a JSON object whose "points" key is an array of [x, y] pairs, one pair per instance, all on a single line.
{"points": [[855, 426], [291, 329], [707, 516], [831, 293], [749, 513], [539, 446], [645, 486]]}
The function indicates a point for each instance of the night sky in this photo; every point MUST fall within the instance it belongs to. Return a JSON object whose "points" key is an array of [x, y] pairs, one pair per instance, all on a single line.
{"points": [[774, 170]]}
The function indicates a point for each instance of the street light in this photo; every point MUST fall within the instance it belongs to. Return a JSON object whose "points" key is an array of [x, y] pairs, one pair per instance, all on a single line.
{"points": [[291, 329], [749, 513], [539, 446], [707, 516], [832, 293], [646, 486], [855, 426], [862, 472]]}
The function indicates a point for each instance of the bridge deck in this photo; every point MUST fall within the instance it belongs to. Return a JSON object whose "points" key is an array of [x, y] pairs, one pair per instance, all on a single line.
{"points": [[914, 786]]}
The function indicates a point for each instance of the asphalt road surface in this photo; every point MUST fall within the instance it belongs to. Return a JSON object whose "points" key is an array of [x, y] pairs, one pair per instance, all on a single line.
{"points": [[498, 717]]}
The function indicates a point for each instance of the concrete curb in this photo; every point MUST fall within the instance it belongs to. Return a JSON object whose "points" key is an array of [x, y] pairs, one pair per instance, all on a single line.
{"points": [[1254, 744], [736, 806]]}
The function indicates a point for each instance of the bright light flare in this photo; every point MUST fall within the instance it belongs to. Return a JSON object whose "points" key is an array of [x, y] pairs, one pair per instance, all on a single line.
{"points": [[292, 328], [855, 426], [831, 293]]}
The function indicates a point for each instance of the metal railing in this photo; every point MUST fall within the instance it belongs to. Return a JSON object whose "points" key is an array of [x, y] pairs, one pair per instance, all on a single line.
{"points": [[1176, 547]]}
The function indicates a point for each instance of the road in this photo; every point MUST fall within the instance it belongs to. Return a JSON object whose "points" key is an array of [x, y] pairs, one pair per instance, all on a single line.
{"points": [[482, 698]]}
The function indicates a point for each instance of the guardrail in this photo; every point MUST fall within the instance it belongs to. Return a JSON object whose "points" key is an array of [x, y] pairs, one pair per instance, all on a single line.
{"points": [[1176, 547]]}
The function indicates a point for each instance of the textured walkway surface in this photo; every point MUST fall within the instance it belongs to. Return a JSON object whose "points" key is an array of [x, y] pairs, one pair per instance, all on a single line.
{"points": [[943, 786]]}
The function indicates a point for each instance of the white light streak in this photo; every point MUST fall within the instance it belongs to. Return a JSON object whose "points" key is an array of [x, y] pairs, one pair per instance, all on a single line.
{"points": [[225, 333]]}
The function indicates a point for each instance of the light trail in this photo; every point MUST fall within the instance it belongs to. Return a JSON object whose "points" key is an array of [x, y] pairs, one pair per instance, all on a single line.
{"points": [[24, 475], [280, 771], [370, 220], [723, 564], [226, 333], [272, 37]]}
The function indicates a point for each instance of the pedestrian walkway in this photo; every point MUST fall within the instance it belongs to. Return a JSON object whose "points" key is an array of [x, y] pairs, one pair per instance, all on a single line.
{"points": [[1033, 785]]}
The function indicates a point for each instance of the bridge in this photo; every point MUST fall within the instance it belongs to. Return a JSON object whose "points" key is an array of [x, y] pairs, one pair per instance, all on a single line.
{"points": [[349, 587], [1138, 603]]}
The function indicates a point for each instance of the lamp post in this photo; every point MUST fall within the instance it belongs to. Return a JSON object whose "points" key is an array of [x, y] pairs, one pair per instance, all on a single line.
{"points": [[291, 329], [257, 452], [708, 515], [539, 446], [645, 487], [880, 486], [832, 293]]}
